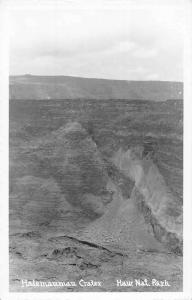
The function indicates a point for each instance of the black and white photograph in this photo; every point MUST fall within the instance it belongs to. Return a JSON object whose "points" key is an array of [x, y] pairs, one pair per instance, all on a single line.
{"points": [[96, 118]]}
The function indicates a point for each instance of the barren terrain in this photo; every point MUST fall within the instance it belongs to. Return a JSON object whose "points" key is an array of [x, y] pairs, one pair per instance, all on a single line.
{"points": [[96, 193]]}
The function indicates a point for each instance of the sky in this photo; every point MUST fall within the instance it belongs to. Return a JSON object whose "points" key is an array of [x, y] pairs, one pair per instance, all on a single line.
{"points": [[133, 43]]}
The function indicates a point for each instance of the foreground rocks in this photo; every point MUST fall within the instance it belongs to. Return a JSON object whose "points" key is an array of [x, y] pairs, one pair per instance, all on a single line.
{"points": [[67, 259]]}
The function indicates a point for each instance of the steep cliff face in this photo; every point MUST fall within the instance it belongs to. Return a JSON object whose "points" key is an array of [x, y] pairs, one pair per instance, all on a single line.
{"points": [[153, 197], [148, 220]]}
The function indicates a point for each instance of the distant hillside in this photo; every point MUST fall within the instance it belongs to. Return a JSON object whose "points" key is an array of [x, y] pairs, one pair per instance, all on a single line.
{"points": [[66, 87]]}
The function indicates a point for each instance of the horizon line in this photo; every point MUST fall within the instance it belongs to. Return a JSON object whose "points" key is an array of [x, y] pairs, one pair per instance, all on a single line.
{"points": [[96, 78]]}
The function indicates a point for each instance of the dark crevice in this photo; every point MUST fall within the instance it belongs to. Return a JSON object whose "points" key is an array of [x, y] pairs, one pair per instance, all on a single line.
{"points": [[91, 244]]}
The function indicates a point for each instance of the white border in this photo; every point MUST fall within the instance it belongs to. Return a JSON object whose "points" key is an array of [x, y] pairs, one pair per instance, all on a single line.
{"points": [[4, 117], [4, 72]]}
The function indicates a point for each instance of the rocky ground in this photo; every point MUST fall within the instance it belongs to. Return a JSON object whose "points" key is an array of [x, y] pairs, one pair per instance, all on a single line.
{"points": [[96, 194]]}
